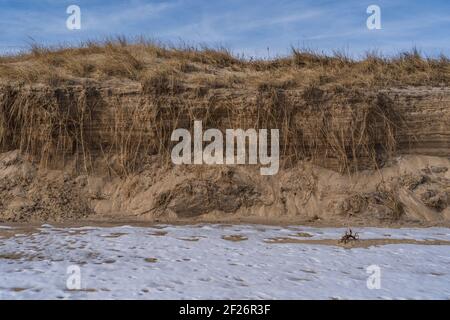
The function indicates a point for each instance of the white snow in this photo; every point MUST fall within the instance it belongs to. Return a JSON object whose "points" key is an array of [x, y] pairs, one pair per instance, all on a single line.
{"points": [[112, 263]]}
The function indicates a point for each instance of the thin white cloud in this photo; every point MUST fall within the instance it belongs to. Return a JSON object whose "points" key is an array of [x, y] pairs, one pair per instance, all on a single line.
{"points": [[224, 27], [110, 21], [278, 20]]}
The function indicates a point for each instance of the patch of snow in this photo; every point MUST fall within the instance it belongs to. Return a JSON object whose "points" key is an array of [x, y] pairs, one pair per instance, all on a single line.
{"points": [[195, 262]]}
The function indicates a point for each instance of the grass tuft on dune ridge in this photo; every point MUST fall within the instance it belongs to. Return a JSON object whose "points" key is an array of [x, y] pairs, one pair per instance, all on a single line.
{"points": [[140, 59]]}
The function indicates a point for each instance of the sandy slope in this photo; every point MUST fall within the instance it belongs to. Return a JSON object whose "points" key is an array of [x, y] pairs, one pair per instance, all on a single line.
{"points": [[410, 190]]}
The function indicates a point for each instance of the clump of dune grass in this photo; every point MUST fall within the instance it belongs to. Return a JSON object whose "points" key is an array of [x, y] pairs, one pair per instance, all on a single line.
{"points": [[121, 58]]}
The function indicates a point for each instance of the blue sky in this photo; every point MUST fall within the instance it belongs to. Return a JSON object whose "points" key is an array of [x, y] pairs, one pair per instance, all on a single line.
{"points": [[253, 27]]}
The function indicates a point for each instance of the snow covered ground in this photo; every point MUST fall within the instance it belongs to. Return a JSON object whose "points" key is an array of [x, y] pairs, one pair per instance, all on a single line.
{"points": [[196, 262]]}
